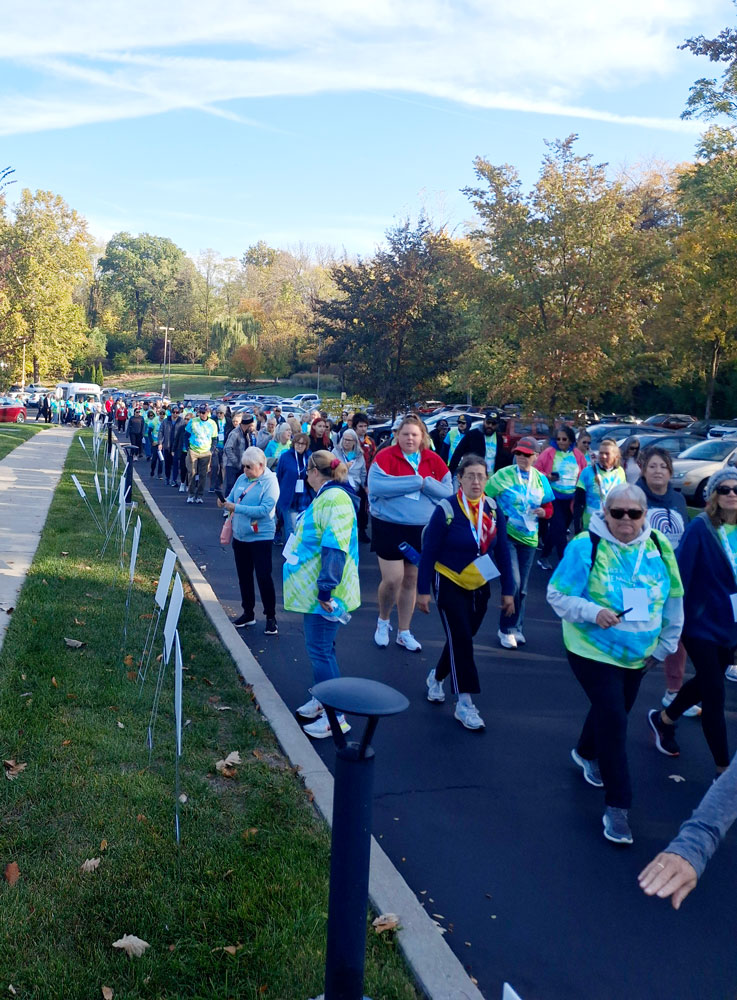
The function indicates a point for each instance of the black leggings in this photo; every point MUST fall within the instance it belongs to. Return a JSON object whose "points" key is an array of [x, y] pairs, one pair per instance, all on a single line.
{"points": [[612, 692], [558, 526], [461, 612], [250, 557], [709, 661]]}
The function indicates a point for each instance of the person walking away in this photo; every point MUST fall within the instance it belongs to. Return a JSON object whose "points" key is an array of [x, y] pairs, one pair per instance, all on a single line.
{"points": [[166, 442], [405, 482], [486, 441], [464, 548], [321, 576], [561, 462], [619, 594], [202, 433], [252, 503], [217, 466], [595, 481], [454, 435], [526, 498], [136, 430], [707, 559]]}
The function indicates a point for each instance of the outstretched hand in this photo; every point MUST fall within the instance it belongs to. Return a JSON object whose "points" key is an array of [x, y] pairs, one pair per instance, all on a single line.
{"points": [[423, 603], [508, 605], [668, 875]]}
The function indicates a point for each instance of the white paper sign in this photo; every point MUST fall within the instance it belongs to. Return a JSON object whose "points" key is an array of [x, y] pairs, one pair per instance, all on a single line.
{"points": [[635, 603], [486, 567], [178, 668], [288, 551], [299, 486], [134, 547], [121, 504], [733, 599], [509, 993], [97, 488], [82, 443], [162, 590], [172, 616], [79, 488]]}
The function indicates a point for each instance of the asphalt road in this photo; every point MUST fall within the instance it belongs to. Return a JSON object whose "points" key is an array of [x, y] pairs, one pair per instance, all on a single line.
{"points": [[497, 832]]}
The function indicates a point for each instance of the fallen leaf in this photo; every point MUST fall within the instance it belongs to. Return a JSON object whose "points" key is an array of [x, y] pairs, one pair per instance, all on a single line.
{"points": [[231, 949], [65, 553], [121, 726], [233, 758], [90, 865], [54, 682], [12, 770], [160, 657], [229, 873], [12, 990], [223, 708], [78, 621], [22, 677], [250, 833], [385, 922], [107, 993], [676, 777], [206, 680], [145, 617], [183, 798], [103, 845], [131, 675], [74, 643], [66, 743], [112, 708], [214, 699], [228, 772], [131, 945], [172, 947], [128, 660], [141, 818], [45, 583], [12, 873], [71, 696]]}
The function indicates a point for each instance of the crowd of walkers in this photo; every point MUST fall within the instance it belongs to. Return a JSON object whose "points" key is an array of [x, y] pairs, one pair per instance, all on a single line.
{"points": [[636, 586]]}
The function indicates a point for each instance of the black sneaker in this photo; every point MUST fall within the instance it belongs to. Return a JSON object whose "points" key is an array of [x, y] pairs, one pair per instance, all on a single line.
{"points": [[616, 825], [271, 628], [665, 736], [244, 621]]}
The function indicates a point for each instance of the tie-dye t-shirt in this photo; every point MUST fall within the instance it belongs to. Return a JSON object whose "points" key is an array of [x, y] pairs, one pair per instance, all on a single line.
{"points": [[597, 491], [565, 464], [629, 643], [510, 487]]}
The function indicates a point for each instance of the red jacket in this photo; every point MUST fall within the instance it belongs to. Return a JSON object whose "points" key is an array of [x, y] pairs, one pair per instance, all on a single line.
{"points": [[392, 461]]}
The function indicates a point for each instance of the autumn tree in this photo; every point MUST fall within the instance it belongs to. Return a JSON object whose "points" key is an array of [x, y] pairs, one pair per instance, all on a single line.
{"points": [[245, 362]]}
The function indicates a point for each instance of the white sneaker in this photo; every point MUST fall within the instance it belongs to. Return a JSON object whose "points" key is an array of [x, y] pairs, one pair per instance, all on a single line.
{"points": [[519, 637], [434, 688], [190, 499], [407, 640], [381, 635], [731, 672], [320, 729], [507, 639], [468, 716], [691, 713], [311, 709], [182, 488]]}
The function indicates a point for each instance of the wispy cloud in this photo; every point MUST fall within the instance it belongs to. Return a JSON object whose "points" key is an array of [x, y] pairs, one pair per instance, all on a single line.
{"points": [[105, 60]]}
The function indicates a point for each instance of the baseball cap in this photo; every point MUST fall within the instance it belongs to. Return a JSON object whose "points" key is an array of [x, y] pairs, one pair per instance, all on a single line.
{"points": [[525, 446], [491, 415], [203, 408]]}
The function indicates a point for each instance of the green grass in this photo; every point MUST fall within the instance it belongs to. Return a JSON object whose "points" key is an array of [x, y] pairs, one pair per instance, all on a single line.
{"points": [[11, 435], [184, 384], [252, 868]]}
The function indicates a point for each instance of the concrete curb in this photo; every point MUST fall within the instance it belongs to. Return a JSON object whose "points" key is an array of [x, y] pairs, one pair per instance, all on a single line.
{"points": [[439, 974]]}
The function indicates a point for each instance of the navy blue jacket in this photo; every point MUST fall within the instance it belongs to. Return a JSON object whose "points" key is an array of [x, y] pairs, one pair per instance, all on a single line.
{"points": [[708, 581], [286, 474]]}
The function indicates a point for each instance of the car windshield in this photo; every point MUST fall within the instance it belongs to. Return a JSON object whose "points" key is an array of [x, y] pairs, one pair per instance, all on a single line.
{"points": [[710, 451]]}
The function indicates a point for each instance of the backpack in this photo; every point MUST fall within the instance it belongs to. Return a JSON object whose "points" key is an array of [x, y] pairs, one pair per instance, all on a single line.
{"points": [[595, 539], [447, 508]]}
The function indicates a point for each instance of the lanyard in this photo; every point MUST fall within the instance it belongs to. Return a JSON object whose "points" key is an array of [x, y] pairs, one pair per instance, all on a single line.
{"points": [[300, 469], [480, 521], [521, 481], [640, 554], [729, 551]]}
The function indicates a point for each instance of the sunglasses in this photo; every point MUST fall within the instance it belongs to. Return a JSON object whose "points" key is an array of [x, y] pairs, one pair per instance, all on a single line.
{"points": [[633, 513], [724, 491]]}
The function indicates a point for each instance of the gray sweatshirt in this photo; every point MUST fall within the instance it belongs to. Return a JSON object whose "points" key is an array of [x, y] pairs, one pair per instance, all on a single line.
{"points": [[699, 836]]}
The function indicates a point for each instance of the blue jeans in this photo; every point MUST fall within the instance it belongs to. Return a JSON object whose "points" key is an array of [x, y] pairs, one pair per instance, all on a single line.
{"points": [[320, 641], [521, 557]]}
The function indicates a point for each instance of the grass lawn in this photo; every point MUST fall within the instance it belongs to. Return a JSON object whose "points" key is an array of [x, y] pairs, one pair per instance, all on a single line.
{"points": [[186, 380], [252, 868], [11, 435]]}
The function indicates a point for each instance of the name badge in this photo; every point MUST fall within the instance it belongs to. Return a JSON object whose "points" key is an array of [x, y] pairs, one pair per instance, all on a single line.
{"points": [[299, 486], [289, 550], [733, 599], [635, 600], [486, 567]]}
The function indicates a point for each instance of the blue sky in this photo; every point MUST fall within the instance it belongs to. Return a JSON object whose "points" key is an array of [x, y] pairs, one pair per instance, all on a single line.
{"points": [[325, 122]]}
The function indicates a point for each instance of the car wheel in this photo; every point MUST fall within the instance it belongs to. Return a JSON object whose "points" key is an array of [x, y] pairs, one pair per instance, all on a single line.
{"points": [[20, 419], [698, 496]]}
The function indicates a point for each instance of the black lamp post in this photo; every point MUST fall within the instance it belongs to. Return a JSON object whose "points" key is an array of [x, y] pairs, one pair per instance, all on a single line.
{"points": [[351, 838]]}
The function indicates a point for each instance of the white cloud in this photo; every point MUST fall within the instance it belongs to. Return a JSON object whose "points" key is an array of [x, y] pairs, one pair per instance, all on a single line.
{"points": [[101, 61]]}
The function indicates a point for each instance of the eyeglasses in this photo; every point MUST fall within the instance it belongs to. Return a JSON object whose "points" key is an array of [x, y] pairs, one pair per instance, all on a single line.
{"points": [[724, 491], [633, 513], [634, 447], [475, 475]]}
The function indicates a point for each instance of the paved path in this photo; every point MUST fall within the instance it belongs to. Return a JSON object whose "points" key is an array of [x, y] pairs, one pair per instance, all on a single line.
{"points": [[497, 832], [28, 477]]}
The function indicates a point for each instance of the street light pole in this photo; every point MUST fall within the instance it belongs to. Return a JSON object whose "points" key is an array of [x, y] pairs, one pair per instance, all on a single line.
{"points": [[165, 384]]}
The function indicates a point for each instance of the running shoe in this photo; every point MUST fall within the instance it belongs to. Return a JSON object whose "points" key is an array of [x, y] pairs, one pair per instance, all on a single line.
{"points": [[311, 709], [199, 500], [468, 716], [544, 563], [616, 825], [434, 688], [507, 639], [381, 635], [665, 735], [190, 499], [271, 627], [731, 672], [590, 769], [407, 640], [691, 713], [519, 637], [320, 728], [244, 621]]}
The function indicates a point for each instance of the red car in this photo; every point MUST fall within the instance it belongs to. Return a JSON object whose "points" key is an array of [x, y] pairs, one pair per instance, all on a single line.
{"points": [[671, 421], [514, 428], [12, 411]]}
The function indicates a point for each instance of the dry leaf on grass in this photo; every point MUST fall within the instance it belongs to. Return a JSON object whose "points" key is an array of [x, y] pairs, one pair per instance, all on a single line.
{"points": [[12, 873], [66, 743], [54, 682], [223, 708], [250, 833], [65, 553], [90, 865], [231, 949], [227, 772], [121, 726], [128, 660], [74, 643], [141, 818], [107, 993], [183, 798], [131, 675], [78, 621], [214, 699], [131, 945], [226, 765], [12, 990], [385, 922], [13, 769]]}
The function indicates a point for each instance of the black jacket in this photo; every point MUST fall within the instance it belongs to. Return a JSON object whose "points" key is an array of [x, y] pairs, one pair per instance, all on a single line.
{"points": [[473, 442]]}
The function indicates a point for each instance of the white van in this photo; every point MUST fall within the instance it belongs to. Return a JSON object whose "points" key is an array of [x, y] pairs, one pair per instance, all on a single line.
{"points": [[77, 391]]}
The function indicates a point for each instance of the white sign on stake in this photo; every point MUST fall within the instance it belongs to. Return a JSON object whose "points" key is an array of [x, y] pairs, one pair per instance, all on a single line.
{"points": [[79, 487], [178, 674], [134, 547], [509, 994], [121, 506], [162, 590], [82, 443], [172, 616], [97, 488]]}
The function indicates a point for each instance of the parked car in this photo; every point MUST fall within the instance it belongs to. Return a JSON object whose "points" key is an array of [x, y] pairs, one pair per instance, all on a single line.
{"points": [[723, 429], [701, 428], [691, 470], [671, 421], [674, 444], [514, 428], [12, 411]]}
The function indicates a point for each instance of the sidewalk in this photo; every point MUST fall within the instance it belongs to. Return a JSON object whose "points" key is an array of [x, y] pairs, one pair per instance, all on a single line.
{"points": [[29, 476]]}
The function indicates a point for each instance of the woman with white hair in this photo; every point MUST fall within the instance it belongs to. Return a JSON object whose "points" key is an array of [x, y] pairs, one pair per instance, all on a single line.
{"points": [[252, 504], [348, 450], [619, 593], [278, 444]]}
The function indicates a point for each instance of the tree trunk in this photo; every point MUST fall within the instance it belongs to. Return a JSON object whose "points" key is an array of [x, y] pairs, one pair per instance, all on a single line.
{"points": [[712, 377]]}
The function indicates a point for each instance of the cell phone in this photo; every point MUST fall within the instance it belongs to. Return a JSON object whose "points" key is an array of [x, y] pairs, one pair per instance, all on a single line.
{"points": [[220, 495]]}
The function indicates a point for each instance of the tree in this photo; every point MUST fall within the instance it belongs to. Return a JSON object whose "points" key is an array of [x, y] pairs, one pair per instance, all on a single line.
{"points": [[146, 271], [188, 344], [211, 362], [245, 362], [400, 319], [707, 98]]}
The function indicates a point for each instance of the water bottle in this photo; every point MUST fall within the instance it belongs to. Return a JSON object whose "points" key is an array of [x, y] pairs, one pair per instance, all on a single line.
{"points": [[338, 614], [409, 552]]}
